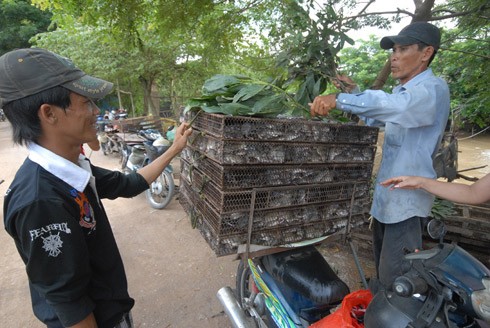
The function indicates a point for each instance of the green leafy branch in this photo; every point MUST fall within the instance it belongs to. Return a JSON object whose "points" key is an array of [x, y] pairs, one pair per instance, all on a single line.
{"points": [[241, 95]]}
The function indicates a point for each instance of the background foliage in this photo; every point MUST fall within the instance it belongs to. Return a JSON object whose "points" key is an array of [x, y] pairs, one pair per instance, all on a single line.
{"points": [[19, 22], [162, 51]]}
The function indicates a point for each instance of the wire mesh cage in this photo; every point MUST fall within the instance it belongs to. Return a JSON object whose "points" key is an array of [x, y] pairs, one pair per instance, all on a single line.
{"points": [[268, 198], [237, 222], [258, 152], [231, 177], [275, 181], [284, 129], [225, 244]]}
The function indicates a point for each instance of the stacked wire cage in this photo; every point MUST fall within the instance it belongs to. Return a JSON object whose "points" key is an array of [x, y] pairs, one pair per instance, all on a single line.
{"points": [[273, 182]]}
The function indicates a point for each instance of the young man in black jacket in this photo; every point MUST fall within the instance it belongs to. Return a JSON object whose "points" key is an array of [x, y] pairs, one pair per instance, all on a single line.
{"points": [[53, 208]]}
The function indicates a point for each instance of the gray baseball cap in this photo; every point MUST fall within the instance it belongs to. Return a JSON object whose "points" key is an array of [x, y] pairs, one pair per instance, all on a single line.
{"points": [[24, 72], [414, 33]]}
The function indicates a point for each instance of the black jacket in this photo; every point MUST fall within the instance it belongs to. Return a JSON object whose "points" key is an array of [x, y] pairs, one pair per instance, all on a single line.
{"points": [[65, 240]]}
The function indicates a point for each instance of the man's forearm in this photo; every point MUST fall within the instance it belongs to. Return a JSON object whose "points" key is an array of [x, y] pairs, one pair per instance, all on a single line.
{"points": [[477, 193], [155, 168]]}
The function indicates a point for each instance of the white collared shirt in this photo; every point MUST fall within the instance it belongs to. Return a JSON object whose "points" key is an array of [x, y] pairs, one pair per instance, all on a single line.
{"points": [[77, 176]]}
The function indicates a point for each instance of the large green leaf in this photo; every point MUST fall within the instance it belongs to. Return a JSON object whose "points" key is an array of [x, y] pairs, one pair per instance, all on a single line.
{"points": [[235, 109], [248, 92], [198, 103], [240, 95], [270, 105], [227, 109], [319, 84], [302, 94], [220, 83]]}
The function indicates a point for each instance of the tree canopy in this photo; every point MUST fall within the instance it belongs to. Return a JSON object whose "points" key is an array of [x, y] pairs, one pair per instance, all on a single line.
{"points": [[20, 21], [163, 50]]}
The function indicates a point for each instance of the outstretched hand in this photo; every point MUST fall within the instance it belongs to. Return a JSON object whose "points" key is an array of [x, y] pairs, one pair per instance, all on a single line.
{"points": [[151, 171], [403, 182]]}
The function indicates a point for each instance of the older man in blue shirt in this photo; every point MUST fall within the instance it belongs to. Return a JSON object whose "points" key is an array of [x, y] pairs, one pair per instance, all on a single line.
{"points": [[414, 116]]}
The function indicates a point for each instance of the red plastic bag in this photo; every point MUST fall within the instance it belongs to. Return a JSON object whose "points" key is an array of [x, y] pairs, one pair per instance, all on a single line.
{"points": [[353, 305]]}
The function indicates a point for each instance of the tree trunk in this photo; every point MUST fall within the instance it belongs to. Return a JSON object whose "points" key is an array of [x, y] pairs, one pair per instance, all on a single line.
{"points": [[155, 100], [173, 97], [149, 96], [146, 94], [422, 13], [380, 80]]}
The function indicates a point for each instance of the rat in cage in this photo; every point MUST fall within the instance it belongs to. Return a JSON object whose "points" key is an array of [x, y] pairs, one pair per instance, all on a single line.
{"points": [[236, 220]]}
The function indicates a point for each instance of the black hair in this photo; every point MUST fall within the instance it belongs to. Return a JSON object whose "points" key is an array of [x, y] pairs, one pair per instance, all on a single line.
{"points": [[23, 113]]}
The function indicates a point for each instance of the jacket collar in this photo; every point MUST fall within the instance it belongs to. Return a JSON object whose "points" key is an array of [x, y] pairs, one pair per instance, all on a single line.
{"points": [[77, 176]]}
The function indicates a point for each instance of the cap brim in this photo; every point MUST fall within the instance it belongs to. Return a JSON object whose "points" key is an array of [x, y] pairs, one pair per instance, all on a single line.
{"points": [[90, 87], [389, 41]]}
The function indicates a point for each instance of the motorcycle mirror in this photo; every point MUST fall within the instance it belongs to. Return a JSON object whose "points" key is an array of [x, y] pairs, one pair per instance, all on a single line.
{"points": [[436, 229]]}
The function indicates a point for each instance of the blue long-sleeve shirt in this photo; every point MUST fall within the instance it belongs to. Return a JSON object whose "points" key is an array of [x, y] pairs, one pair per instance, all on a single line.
{"points": [[415, 116]]}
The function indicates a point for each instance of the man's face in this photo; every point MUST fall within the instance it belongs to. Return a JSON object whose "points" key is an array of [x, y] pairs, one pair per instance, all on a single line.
{"points": [[79, 120], [408, 61]]}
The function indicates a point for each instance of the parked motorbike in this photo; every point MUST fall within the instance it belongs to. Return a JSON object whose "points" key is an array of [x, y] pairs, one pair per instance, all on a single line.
{"points": [[445, 287], [117, 115], [136, 155], [110, 142], [287, 289]]}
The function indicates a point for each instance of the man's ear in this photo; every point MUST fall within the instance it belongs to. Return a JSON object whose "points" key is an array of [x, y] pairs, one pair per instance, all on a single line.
{"points": [[428, 51], [47, 114]]}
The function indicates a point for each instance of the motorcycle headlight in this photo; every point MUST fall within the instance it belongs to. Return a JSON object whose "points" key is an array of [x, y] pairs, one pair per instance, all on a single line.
{"points": [[481, 301]]}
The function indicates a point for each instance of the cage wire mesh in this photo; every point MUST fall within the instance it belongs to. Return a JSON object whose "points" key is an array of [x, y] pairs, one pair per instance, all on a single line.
{"points": [[302, 179]]}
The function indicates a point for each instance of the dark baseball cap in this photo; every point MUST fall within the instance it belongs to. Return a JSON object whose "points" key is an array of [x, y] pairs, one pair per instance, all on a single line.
{"points": [[24, 72], [414, 33]]}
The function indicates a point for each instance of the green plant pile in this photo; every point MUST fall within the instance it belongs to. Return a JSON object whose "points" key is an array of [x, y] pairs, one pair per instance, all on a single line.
{"points": [[241, 95], [442, 209]]}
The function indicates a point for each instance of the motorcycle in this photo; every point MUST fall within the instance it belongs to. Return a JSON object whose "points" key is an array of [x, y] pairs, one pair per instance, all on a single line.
{"points": [[2, 115], [110, 142], [293, 288], [445, 287], [136, 155]]}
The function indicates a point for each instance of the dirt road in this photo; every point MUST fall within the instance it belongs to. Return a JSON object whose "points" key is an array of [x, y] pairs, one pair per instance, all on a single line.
{"points": [[172, 273]]}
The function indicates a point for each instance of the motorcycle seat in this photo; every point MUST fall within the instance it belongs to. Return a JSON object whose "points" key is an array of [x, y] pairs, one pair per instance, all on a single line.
{"points": [[307, 272]]}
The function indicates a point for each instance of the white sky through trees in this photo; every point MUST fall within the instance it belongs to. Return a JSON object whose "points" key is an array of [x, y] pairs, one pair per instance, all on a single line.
{"points": [[383, 6]]}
